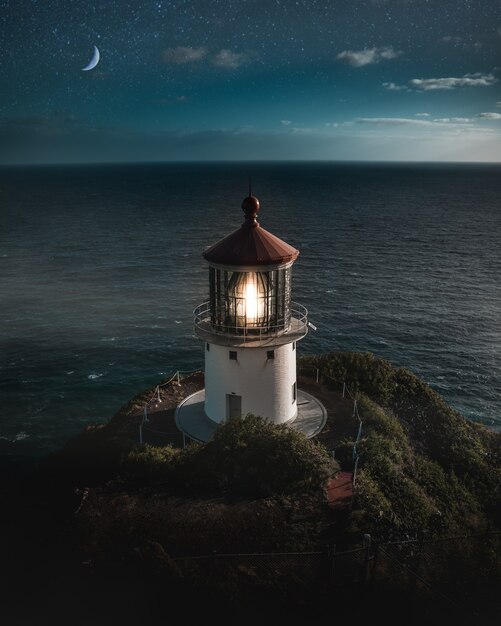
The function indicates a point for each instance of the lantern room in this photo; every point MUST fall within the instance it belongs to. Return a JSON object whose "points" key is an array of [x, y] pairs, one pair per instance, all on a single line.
{"points": [[250, 301]]}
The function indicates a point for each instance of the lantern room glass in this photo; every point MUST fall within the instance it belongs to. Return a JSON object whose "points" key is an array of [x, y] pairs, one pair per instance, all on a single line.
{"points": [[250, 302]]}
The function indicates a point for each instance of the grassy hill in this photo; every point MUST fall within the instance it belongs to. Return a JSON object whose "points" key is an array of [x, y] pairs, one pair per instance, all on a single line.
{"points": [[426, 478], [422, 465]]}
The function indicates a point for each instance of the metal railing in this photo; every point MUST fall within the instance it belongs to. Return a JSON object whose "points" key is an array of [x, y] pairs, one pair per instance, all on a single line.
{"points": [[157, 399], [245, 334]]}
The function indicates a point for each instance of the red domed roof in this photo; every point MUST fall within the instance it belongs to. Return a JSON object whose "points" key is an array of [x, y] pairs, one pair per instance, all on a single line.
{"points": [[251, 244]]}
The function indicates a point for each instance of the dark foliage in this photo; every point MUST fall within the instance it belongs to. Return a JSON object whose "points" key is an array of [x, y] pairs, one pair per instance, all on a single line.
{"points": [[422, 465], [247, 457]]}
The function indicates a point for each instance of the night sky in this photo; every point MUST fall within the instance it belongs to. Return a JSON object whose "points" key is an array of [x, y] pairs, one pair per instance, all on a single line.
{"points": [[250, 79]]}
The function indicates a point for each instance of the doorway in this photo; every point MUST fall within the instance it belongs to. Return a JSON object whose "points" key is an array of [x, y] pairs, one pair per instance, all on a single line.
{"points": [[233, 406]]}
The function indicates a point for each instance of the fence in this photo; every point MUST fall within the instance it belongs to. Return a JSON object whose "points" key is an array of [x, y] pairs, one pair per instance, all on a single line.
{"points": [[346, 392], [176, 437], [442, 570], [171, 436], [338, 568], [265, 568]]}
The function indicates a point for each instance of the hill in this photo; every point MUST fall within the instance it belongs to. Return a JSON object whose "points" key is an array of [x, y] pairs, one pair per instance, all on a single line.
{"points": [[422, 528]]}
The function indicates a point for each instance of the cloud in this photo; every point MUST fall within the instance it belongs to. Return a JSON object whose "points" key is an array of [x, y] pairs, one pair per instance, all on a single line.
{"points": [[183, 54], [468, 80], [368, 56], [395, 87], [393, 121], [422, 114], [62, 139], [451, 39], [173, 100], [489, 116], [339, 124], [59, 122], [229, 59], [285, 122], [409, 121], [498, 104], [452, 120]]}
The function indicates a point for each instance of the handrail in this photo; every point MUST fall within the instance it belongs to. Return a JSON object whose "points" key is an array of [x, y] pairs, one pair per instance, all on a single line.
{"points": [[156, 392], [202, 317]]}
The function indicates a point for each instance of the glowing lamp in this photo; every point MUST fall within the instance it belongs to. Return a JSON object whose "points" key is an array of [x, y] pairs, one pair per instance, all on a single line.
{"points": [[248, 295]]}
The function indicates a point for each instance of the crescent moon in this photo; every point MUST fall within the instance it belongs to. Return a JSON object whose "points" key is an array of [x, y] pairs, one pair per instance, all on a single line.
{"points": [[93, 62]]}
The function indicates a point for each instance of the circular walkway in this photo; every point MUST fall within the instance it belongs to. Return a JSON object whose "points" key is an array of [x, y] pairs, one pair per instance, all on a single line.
{"points": [[192, 421]]}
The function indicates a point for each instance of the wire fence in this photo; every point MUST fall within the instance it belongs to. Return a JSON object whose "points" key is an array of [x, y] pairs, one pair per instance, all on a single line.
{"points": [[265, 568], [440, 569], [155, 435], [455, 571], [176, 437], [346, 392]]}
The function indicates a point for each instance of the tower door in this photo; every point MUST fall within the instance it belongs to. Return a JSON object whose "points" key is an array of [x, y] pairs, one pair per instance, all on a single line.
{"points": [[233, 406]]}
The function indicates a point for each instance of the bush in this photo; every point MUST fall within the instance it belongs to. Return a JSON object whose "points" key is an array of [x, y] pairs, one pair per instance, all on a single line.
{"points": [[248, 456], [362, 371], [251, 456], [151, 463]]}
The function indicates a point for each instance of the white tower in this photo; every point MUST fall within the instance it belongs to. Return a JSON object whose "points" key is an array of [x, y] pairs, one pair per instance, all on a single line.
{"points": [[250, 328]]}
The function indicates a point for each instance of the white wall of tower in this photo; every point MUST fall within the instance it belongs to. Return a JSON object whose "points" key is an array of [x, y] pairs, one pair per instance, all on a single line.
{"points": [[265, 385]]}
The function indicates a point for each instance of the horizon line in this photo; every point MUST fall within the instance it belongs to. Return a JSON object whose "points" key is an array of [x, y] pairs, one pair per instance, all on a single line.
{"points": [[243, 161]]}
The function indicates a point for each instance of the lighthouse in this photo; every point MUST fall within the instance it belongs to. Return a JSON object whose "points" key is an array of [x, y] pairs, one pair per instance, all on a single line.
{"points": [[250, 327]]}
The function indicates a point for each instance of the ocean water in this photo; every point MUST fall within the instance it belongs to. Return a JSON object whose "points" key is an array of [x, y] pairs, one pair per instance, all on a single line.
{"points": [[101, 267]]}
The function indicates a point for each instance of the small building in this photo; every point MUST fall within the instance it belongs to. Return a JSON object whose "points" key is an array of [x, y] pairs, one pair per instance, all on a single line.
{"points": [[250, 328]]}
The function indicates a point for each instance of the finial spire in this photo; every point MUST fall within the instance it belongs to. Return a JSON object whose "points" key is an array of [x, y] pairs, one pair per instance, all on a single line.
{"points": [[250, 206]]}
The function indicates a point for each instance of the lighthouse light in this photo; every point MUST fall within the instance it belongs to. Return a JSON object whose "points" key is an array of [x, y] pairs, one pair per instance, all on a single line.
{"points": [[253, 304], [250, 299]]}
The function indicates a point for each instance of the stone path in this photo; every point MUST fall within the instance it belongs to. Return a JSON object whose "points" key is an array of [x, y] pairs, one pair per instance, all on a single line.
{"points": [[339, 491]]}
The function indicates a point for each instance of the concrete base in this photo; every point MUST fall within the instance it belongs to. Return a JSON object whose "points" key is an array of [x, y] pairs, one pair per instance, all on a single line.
{"points": [[194, 423]]}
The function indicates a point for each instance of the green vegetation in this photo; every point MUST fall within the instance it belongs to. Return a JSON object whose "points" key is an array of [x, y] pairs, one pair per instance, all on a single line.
{"points": [[253, 487], [421, 465], [259, 488], [247, 457]]}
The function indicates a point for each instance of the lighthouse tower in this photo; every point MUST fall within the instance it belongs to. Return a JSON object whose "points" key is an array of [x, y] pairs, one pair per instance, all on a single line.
{"points": [[250, 327]]}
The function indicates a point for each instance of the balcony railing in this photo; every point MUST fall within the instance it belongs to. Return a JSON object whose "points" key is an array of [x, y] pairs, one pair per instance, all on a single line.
{"points": [[242, 335]]}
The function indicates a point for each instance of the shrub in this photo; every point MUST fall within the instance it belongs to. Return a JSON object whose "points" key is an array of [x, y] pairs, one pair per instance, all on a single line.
{"points": [[248, 456], [252, 457], [151, 463]]}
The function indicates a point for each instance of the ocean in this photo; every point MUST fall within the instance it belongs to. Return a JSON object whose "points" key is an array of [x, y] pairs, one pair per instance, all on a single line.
{"points": [[101, 268]]}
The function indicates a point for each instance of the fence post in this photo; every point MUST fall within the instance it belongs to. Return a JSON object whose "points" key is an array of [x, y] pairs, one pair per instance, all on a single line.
{"points": [[359, 434], [145, 412], [318, 371], [140, 433], [344, 388], [417, 564], [178, 379], [158, 394], [355, 470], [375, 560], [331, 556], [367, 546]]}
